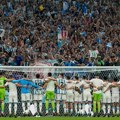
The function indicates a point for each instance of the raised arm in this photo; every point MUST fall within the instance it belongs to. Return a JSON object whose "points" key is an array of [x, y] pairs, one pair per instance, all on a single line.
{"points": [[15, 81], [9, 80], [45, 85], [61, 87], [33, 85]]}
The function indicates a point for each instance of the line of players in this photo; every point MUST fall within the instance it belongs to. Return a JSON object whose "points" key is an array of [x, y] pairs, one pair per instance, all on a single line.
{"points": [[65, 91]]}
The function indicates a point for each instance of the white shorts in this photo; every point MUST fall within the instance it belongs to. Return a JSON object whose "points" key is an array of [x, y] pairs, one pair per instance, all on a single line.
{"points": [[37, 97], [70, 97], [26, 97], [87, 96], [60, 97], [13, 98], [77, 97], [115, 98], [106, 98]]}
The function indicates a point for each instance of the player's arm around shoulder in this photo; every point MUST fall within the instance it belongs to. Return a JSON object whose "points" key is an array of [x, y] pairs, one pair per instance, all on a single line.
{"points": [[60, 86], [9, 80], [109, 87], [33, 84], [118, 84], [48, 79], [114, 84], [45, 85]]}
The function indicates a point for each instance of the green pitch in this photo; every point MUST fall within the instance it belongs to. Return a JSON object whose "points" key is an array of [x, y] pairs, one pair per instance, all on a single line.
{"points": [[60, 118]]}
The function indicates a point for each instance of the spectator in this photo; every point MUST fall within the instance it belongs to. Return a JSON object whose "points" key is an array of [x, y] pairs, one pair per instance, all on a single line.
{"points": [[70, 33]]}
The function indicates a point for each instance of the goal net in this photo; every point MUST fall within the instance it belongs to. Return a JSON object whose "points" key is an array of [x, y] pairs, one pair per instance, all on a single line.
{"points": [[36, 74]]}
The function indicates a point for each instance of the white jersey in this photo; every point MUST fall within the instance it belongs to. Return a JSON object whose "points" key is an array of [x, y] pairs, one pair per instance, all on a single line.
{"points": [[51, 86], [115, 90], [12, 88], [38, 82], [68, 85], [106, 86], [86, 85], [98, 83], [61, 81]]}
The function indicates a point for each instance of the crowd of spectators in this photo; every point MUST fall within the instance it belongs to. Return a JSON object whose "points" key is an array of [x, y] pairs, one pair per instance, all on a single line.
{"points": [[31, 32]]}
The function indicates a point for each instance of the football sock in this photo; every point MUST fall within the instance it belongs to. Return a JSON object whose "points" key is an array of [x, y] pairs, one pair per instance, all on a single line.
{"points": [[57, 107], [46, 105], [75, 107], [23, 106], [53, 105], [98, 104], [108, 109], [15, 108], [94, 106], [40, 106], [103, 107], [113, 108], [10, 108], [2, 105]]}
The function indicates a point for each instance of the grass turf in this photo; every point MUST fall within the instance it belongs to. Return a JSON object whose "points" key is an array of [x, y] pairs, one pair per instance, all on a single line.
{"points": [[60, 118]]}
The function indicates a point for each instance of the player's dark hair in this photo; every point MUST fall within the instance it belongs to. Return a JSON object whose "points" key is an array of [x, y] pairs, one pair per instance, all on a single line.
{"points": [[105, 78], [96, 74], [76, 77], [49, 74], [1, 73], [62, 74], [84, 77], [37, 75], [25, 75], [115, 79], [68, 77]]}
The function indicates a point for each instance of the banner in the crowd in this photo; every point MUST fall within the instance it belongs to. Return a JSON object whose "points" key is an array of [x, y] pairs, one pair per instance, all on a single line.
{"points": [[42, 71], [2, 32], [93, 53], [62, 35], [65, 5]]}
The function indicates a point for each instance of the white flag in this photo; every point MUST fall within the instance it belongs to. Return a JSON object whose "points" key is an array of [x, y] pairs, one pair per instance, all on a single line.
{"points": [[2, 32], [65, 5]]}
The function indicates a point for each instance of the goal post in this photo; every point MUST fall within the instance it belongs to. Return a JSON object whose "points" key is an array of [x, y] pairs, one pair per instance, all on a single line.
{"points": [[109, 71]]}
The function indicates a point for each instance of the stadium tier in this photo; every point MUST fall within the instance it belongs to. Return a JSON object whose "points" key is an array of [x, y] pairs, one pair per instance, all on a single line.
{"points": [[59, 32], [50, 90]]}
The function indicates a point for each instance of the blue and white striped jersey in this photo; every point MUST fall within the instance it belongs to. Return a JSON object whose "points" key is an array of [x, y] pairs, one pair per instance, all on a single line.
{"points": [[61, 81], [40, 83]]}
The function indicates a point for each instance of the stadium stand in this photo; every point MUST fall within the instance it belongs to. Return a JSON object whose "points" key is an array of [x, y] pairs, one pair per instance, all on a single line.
{"points": [[60, 32]]}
